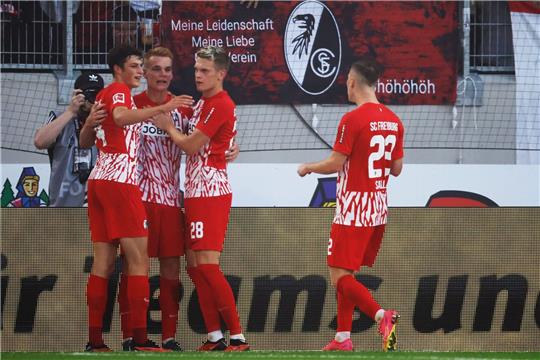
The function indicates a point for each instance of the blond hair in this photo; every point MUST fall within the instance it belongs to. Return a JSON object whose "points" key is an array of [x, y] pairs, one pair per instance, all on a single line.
{"points": [[158, 51]]}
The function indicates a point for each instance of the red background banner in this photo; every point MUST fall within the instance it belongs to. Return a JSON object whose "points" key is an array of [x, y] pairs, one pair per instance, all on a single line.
{"points": [[416, 42]]}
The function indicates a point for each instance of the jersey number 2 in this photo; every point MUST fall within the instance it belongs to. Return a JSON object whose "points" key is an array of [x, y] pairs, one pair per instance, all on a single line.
{"points": [[381, 143]]}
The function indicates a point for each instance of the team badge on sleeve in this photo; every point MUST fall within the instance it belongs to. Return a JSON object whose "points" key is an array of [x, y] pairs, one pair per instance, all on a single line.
{"points": [[119, 98]]}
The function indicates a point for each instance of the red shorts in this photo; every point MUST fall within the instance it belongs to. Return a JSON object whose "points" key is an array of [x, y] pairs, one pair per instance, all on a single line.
{"points": [[165, 230], [206, 221], [351, 247], [115, 211]]}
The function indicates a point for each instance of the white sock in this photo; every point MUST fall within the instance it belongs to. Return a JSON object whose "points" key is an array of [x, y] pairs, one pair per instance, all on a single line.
{"points": [[238, 337], [215, 335], [379, 315], [341, 336]]}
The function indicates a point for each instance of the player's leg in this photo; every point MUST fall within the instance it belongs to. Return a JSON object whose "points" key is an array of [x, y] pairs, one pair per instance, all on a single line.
{"points": [[208, 265], [138, 290], [345, 308], [351, 248], [96, 293], [104, 251], [123, 307], [206, 222], [166, 242], [212, 320], [169, 297]]}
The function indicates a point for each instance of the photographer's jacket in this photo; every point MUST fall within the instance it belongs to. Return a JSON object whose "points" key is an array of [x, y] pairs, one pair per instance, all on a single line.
{"points": [[70, 167]]}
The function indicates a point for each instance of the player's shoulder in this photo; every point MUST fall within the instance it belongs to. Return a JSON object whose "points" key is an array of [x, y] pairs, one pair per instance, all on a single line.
{"points": [[388, 111], [117, 86], [392, 116], [141, 99], [140, 96], [113, 88], [353, 116], [224, 100]]}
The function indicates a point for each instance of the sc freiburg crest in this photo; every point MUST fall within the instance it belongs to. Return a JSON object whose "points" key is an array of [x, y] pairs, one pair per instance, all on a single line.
{"points": [[312, 46]]}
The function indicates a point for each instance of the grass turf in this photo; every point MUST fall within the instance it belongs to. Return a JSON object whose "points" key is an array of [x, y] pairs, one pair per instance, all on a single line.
{"points": [[274, 355]]}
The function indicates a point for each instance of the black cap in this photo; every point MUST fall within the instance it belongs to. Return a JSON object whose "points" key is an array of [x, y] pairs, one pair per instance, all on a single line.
{"points": [[90, 83]]}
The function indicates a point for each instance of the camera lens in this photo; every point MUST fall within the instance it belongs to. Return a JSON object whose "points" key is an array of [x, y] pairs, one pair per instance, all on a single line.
{"points": [[90, 95]]}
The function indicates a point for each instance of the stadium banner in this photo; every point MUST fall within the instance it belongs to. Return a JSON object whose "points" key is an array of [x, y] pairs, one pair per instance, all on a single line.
{"points": [[525, 17], [268, 185], [441, 268], [301, 51]]}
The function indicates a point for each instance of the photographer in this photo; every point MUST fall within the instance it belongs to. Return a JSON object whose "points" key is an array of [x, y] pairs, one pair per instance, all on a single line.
{"points": [[71, 164]]}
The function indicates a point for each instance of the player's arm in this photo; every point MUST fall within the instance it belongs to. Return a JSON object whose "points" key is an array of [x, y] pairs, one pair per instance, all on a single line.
{"points": [[46, 135], [330, 165], [123, 116], [397, 156], [396, 167], [233, 152], [190, 144], [97, 115]]}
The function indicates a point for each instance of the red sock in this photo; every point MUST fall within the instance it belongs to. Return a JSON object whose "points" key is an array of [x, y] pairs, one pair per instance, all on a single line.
{"points": [[96, 299], [169, 304], [358, 294], [223, 296], [209, 311], [123, 304], [345, 311], [138, 292]]}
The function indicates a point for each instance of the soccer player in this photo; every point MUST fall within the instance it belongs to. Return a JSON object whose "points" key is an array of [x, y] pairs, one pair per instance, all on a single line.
{"points": [[115, 210], [208, 195], [368, 148], [159, 181]]}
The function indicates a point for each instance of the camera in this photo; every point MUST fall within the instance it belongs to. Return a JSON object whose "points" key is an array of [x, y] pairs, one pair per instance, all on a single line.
{"points": [[90, 95], [82, 163]]}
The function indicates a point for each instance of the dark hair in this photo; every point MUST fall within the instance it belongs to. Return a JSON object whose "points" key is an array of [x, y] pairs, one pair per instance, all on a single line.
{"points": [[216, 54], [119, 54], [368, 69]]}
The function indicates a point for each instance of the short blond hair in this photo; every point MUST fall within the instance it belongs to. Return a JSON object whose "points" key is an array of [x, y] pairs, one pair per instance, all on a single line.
{"points": [[158, 51], [216, 54]]}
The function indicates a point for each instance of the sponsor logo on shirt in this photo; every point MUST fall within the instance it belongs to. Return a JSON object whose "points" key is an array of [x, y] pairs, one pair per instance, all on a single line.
{"points": [[152, 130], [119, 98]]}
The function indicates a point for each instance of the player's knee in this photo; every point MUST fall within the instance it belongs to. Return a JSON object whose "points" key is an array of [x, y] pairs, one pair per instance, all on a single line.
{"points": [[102, 268]]}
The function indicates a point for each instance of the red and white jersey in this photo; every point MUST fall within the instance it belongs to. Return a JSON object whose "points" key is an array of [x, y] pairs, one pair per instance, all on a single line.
{"points": [[206, 171], [159, 157], [372, 137], [117, 145]]}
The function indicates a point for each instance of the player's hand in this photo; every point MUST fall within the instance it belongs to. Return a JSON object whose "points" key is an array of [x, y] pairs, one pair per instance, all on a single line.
{"points": [[77, 99], [163, 121], [303, 170], [186, 100], [232, 153], [97, 115], [178, 101]]}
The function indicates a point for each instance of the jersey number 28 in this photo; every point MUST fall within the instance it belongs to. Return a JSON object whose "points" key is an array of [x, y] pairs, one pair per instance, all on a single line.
{"points": [[197, 229]]}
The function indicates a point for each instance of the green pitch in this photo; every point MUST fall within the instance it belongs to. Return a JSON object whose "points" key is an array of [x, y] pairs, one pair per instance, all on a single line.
{"points": [[275, 355]]}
